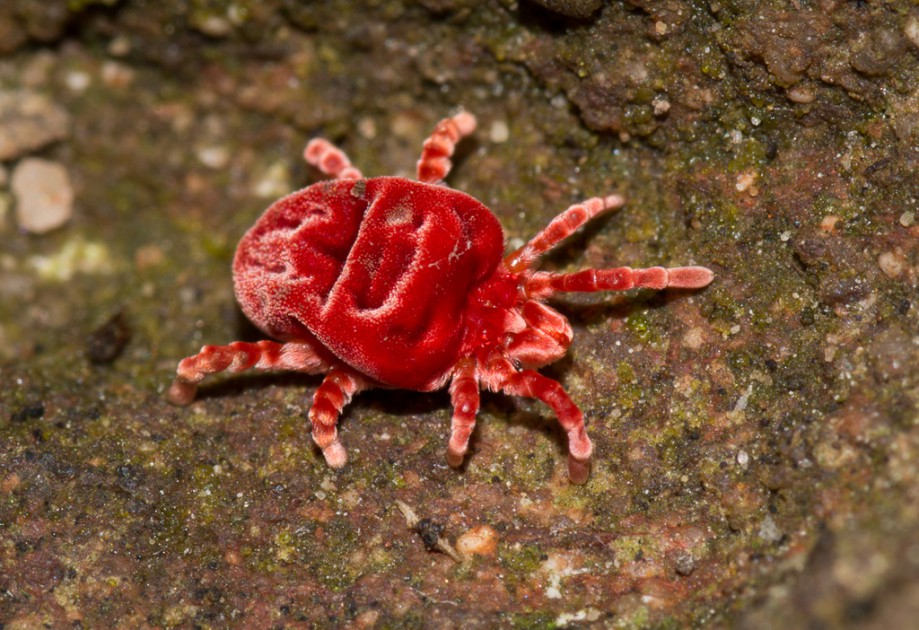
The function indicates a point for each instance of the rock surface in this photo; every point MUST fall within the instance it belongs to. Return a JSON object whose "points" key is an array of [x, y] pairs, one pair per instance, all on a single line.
{"points": [[29, 121]]}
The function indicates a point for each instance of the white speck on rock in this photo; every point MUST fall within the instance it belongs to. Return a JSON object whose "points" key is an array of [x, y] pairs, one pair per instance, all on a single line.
{"points": [[743, 459], [44, 196], [892, 263], [911, 30], [215, 157], [499, 132], [769, 531], [589, 614], [77, 80]]}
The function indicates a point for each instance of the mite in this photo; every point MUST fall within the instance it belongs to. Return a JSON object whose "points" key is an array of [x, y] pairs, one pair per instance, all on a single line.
{"points": [[401, 283]]}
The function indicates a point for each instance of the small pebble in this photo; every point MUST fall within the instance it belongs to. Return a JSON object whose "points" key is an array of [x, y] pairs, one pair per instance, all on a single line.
{"points": [[120, 46], [745, 181], [911, 30], [499, 132], [743, 459], [29, 121], [801, 94], [481, 540], [694, 338], [77, 80], [215, 157], [661, 105], [769, 531], [44, 195], [892, 263], [907, 218]]}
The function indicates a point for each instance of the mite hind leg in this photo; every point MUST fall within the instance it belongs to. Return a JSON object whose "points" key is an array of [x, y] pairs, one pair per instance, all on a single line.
{"points": [[503, 376], [335, 392], [239, 356], [464, 394]]}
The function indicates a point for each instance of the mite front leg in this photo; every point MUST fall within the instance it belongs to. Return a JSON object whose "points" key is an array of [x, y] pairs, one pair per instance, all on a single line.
{"points": [[239, 356], [545, 339], [534, 385], [434, 163], [330, 159], [543, 284], [464, 394], [560, 228], [335, 392]]}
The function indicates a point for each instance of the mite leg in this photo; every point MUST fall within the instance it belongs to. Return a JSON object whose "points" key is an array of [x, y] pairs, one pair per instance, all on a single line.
{"points": [[543, 284], [434, 163], [330, 159], [532, 384], [335, 392], [545, 339], [558, 229], [239, 356], [464, 394]]}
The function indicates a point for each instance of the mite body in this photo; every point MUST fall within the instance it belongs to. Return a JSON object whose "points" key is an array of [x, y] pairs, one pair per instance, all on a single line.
{"points": [[393, 282]]}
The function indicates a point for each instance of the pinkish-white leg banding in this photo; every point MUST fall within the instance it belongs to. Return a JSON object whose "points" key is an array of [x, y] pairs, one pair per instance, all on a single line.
{"points": [[543, 284], [437, 150], [560, 228], [330, 159], [532, 384], [239, 356], [335, 392], [464, 394]]}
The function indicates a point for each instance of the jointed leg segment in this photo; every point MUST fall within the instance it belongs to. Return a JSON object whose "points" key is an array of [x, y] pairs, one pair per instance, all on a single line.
{"points": [[560, 228], [239, 356], [464, 394], [330, 159], [543, 284], [534, 385], [502, 376], [328, 401], [434, 163]]}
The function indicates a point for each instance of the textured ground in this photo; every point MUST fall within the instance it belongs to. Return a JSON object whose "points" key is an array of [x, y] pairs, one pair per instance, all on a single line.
{"points": [[757, 443]]}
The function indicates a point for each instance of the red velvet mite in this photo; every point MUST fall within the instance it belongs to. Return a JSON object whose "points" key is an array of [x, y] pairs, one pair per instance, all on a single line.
{"points": [[393, 282]]}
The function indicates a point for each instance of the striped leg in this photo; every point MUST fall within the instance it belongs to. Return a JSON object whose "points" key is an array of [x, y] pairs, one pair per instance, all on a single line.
{"points": [[542, 284], [330, 159], [560, 228], [464, 394], [328, 401], [434, 163], [239, 356], [532, 384]]}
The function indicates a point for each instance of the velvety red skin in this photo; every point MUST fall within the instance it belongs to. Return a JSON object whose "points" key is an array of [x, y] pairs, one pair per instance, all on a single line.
{"points": [[378, 271]]}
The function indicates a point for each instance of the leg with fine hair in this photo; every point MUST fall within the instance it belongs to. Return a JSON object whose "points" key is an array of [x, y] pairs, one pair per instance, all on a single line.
{"points": [[239, 356], [464, 394], [330, 159], [543, 284], [335, 392], [434, 163], [558, 229], [532, 384]]}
